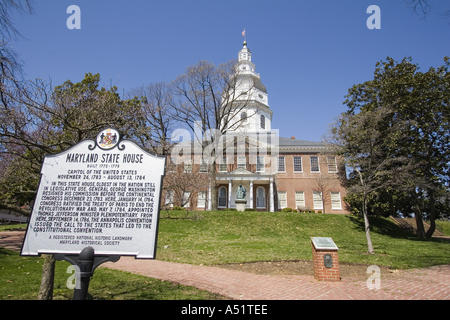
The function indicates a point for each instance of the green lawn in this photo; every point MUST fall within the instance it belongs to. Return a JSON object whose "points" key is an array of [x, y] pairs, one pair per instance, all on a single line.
{"points": [[219, 237], [224, 237], [20, 279]]}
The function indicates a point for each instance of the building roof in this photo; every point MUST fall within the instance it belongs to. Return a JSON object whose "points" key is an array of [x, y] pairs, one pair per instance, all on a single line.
{"points": [[289, 142]]}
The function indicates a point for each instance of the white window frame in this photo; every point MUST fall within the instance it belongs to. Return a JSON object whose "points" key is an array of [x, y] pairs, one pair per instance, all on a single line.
{"points": [[169, 198], [331, 162], [223, 164], [201, 199], [260, 164], [301, 164], [242, 162], [264, 197], [262, 122], [311, 162], [281, 163], [336, 200], [317, 199], [300, 199], [187, 166], [282, 199], [203, 166], [226, 198], [186, 199]]}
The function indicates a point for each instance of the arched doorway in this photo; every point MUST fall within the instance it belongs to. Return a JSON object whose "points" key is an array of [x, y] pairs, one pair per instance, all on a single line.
{"points": [[222, 197], [260, 197]]}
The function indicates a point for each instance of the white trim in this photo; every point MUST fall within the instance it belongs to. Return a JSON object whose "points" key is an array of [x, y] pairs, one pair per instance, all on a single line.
{"points": [[317, 196], [201, 201], [264, 194], [263, 163], [284, 200], [335, 200], [218, 197], [301, 164], [318, 164], [278, 164]]}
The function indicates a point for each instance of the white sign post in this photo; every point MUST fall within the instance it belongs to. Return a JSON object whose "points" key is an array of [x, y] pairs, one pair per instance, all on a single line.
{"points": [[103, 194]]}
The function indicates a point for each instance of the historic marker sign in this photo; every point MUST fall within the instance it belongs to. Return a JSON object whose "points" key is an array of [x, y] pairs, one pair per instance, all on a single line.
{"points": [[104, 194]]}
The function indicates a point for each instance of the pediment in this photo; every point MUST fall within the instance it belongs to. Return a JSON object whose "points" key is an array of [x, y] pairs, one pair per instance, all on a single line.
{"points": [[240, 171]]}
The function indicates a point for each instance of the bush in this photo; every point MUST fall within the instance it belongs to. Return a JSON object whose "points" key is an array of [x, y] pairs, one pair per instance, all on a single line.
{"points": [[249, 209], [286, 210], [320, 211]]}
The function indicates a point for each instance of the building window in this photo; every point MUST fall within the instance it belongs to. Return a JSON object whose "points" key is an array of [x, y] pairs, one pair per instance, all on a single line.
{"points": [[204, 166], [331, 161], [281, 165], [222, 197], [244, 116], [260, 197], [317, 198], [186, 199], [242, 162], [263, 122], [298, 164], [201, 199], [336, 200], [169, 198], [260, 164], [315, 164], [282, 199], [299, 199], [188, 166], [223, 167]]}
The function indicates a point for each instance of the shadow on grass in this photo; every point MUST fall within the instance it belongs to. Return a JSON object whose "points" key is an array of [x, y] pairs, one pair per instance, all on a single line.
{"points": [[383, 226]]}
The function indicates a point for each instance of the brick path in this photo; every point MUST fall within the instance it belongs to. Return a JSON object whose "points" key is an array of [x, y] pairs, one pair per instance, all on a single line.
{"points": [[414, 284]]}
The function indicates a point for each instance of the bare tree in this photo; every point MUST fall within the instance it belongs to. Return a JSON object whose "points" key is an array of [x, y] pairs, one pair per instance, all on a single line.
{"points": [[156, 110], [210, 101], [182, 183]]}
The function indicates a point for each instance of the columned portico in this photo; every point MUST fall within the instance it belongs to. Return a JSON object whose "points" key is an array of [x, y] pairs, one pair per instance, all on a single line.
{"points": [[250, 182]]}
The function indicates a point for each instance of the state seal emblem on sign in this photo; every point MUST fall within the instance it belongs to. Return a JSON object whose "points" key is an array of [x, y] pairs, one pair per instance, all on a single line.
{"points": [[108, 138]]}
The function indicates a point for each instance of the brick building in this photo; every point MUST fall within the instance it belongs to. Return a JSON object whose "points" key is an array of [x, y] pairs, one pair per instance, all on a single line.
{"points": [[275, 172]]}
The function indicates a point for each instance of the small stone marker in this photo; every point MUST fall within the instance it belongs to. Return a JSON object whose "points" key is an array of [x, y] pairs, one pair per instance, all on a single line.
{"points": [[325, 259]]}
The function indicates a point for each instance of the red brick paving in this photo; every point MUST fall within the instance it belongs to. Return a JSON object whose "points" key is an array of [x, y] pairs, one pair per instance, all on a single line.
{"points": [[414, 284]]}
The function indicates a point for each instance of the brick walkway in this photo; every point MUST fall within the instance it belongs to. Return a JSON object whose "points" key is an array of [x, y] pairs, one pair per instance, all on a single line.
{"points": [[414, 284]]}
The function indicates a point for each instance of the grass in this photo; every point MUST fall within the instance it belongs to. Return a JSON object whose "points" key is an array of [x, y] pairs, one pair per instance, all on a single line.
{"points": [[225, 237], [220, 237], [20, 280], [8, 227]]}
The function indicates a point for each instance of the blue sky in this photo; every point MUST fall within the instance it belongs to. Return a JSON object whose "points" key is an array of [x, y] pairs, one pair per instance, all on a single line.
{"points": [[309, 53]]}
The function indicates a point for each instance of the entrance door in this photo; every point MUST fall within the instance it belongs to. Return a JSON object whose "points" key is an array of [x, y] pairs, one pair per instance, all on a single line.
{"points": [[222, 197], [260, 197]]}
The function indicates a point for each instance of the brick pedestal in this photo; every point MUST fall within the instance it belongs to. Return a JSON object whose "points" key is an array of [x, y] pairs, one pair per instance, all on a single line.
{"points": [[321, 272]]}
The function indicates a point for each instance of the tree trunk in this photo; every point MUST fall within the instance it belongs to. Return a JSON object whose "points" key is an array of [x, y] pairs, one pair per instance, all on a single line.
{"points": [[48, 276], [430, 231], [367, 226], [419, 221]]}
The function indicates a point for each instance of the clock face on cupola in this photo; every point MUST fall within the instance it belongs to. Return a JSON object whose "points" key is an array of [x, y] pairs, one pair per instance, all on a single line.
{"points": [[255, 114]]}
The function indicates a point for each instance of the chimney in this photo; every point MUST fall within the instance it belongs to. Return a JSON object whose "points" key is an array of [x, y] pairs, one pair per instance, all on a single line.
{"points": [[293, 137]]}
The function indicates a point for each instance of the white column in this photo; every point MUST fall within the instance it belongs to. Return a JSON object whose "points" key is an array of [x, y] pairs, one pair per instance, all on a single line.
{"points": [[251, 194], [209, 198], [229, 193], [272, 209]]}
